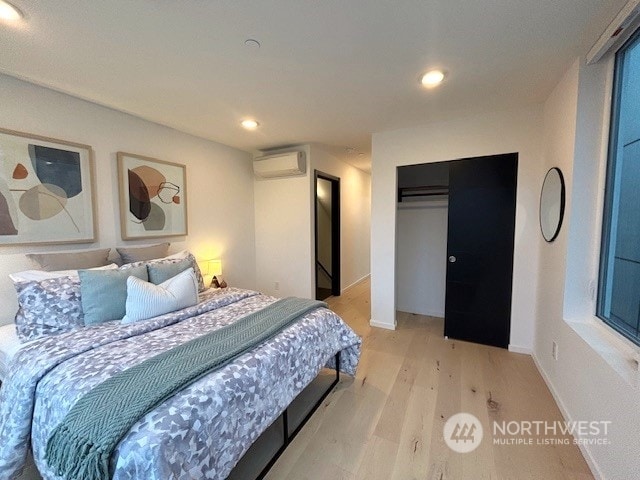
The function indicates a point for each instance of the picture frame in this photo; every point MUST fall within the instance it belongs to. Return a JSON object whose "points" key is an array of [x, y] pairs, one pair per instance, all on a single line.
{"points": [[47, 190], [153, 197]]}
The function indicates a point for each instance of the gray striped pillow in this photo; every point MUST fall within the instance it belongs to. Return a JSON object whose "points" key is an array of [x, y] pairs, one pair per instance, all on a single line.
{"points": [[146, 300]]}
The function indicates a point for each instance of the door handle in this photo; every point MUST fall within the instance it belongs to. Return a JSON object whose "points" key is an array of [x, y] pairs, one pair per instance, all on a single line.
{"points": [[452, 259]]}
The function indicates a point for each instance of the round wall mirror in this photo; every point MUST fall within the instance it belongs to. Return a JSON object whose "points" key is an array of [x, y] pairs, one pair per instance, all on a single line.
{"points": [[552, 204]]}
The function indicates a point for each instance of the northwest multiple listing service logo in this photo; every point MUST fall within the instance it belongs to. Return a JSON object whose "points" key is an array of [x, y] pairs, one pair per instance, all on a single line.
{"points": [[463, 432]]}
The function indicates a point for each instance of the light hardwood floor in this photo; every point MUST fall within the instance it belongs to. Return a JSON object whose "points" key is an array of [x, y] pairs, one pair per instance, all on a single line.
{"points": [[387, 422]]}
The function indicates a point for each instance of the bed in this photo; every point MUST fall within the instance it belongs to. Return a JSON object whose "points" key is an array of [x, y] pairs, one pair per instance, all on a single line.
{"points": [[200, 432], [9, 346]]}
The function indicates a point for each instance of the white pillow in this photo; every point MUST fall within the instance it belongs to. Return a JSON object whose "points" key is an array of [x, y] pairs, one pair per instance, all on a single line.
{"points": [[39, 275], [146, 300]]}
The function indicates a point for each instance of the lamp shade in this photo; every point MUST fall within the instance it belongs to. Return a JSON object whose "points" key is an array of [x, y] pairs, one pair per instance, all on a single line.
{"points": [[214, 267]]}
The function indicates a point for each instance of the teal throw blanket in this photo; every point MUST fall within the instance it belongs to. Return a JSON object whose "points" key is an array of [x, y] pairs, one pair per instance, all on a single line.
{"points": [[82, 445]]}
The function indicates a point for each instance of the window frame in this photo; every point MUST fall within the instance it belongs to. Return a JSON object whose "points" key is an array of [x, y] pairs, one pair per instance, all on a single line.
{"points": [[609, 191]]}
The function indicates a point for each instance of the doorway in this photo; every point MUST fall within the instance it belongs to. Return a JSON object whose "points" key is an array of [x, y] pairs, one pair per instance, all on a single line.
{"points": [[327, 235], [471, 267]]}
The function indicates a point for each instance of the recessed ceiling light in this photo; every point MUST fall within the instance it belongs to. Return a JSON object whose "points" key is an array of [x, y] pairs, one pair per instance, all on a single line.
{"points": [[9, 12], [249, 124], [432, 78], [252, 43]]}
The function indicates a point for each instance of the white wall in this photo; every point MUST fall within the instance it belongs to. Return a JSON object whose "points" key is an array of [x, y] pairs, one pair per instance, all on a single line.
{"points": [[284, 249], [219, 180], [595, 376], [285, 224], [493, 133], [421, 258], [355, 213], [323, 219]]}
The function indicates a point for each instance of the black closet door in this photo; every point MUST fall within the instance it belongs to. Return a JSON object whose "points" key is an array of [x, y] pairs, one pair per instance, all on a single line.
{"points": [[482, 209]]}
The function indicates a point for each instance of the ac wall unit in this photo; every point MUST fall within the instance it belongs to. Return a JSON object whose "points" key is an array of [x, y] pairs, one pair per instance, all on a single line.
{"points": [[280, 165]]}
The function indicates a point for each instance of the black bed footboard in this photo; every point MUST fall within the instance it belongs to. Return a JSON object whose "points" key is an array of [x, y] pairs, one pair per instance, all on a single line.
{"points": [[266, 450]]}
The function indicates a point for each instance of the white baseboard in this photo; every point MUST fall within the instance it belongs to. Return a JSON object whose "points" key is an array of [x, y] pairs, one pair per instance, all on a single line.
{"points": [[426, 314], [593, 466], [386, 326], [520, 349], [343, 291]]}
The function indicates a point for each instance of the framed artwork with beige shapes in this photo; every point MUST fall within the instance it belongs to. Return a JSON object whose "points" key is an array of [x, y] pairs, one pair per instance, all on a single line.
{"points": [[46, 190], [153, 197]]}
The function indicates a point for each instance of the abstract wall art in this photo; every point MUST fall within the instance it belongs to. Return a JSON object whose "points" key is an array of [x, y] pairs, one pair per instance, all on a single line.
{"points": [[153, 197], [46, 190]]}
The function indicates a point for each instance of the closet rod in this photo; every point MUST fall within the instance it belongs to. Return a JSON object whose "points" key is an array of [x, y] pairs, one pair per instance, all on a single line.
{"points": [[426, 191]]}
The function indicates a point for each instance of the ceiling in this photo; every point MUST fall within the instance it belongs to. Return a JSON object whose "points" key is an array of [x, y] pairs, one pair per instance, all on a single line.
{"points": [[331, 72]]}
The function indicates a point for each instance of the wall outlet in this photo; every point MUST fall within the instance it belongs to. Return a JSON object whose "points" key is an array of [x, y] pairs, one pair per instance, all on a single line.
{"points": [[276, 285], [554, 350]]}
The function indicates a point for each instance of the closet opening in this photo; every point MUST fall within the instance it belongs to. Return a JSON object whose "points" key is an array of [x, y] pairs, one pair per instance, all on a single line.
{"points": [[455, 227], [421, 245]]}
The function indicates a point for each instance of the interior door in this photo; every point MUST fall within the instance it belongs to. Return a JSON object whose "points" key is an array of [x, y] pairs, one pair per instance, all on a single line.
{"points": [[327, 235], [482, 208]]}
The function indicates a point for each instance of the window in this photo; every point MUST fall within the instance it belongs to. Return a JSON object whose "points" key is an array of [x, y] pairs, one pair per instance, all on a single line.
{"points": [[619, 289]]}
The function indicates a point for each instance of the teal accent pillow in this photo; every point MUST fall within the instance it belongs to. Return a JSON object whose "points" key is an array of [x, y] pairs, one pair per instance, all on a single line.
{"points": [[161, 272], [104, 293]]}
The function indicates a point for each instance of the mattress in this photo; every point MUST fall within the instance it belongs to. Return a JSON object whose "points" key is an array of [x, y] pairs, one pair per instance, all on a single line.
{"points": [[9, 345]]}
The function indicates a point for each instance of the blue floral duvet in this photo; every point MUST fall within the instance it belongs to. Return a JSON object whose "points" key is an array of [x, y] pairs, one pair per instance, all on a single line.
{"points": [[200, 432]]}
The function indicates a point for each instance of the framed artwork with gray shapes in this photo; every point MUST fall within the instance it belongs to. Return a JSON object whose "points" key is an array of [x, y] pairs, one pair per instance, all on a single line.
{"points": [[46, 190]]}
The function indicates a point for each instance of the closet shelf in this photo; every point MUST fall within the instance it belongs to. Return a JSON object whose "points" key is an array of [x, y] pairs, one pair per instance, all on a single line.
{"points": [[415, 193]]}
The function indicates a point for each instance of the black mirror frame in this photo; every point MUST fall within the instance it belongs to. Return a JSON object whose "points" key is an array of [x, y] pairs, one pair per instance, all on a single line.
{"points": [[562, 204]]}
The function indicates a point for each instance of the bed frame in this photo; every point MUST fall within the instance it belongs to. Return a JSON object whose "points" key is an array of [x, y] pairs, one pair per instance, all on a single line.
{"points": [[269, 446], [265, 451]]}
